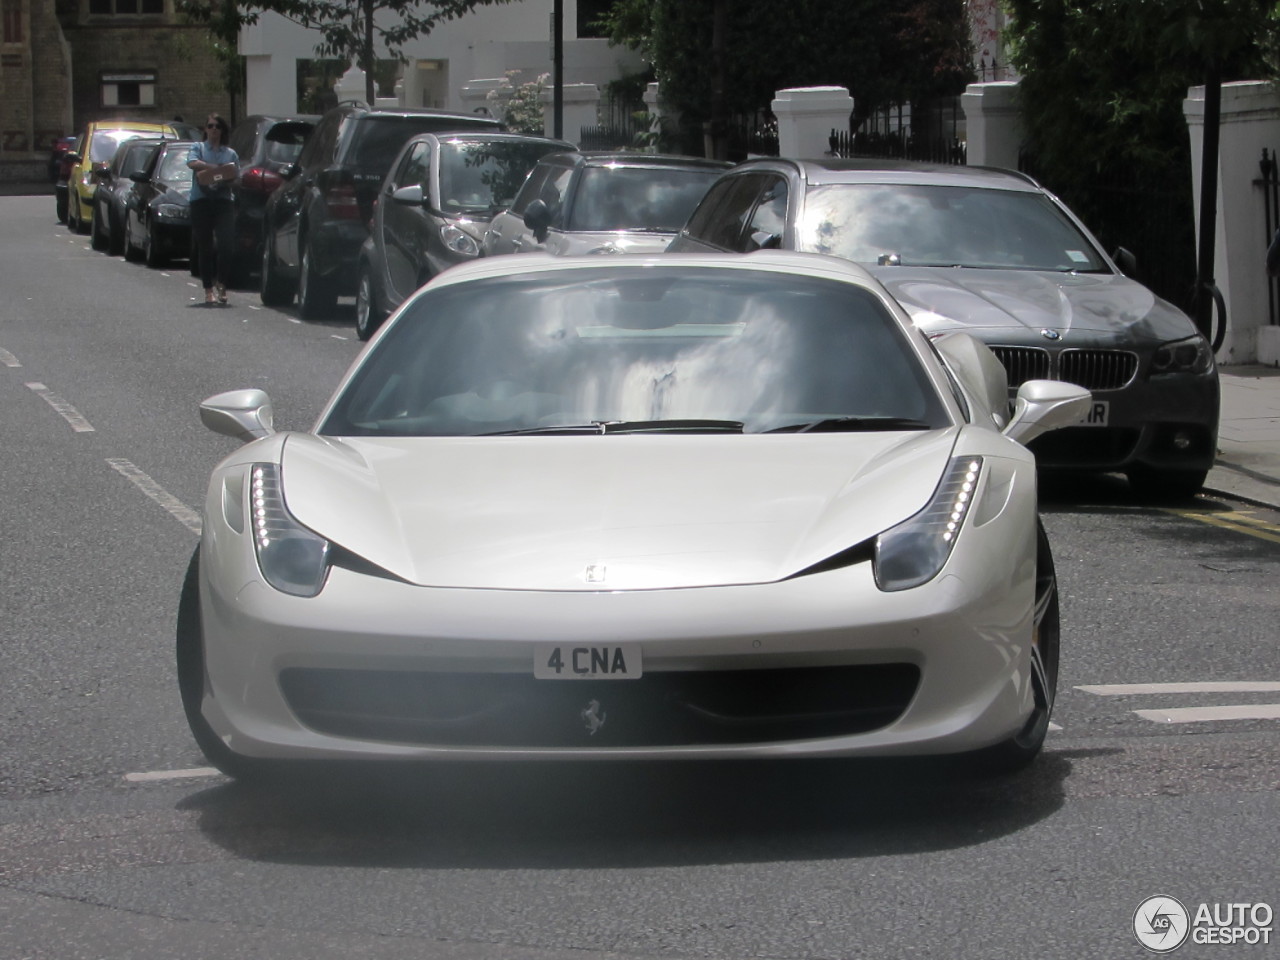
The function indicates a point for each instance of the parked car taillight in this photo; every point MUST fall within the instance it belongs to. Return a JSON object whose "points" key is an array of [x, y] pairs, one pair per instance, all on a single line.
{"points": [[260, 180], [342, 203]]}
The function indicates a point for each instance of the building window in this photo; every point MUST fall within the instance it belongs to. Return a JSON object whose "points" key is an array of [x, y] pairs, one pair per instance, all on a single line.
{"points": [[125, 7], [136, 89], [13, 24]]}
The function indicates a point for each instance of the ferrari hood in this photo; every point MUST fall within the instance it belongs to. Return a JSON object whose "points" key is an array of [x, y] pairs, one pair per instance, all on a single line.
{"points": [[1014, 306], [607, 512]]}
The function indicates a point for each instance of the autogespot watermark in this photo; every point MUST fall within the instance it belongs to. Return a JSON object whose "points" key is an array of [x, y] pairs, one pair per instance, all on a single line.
{"points": [[1162, 923]]}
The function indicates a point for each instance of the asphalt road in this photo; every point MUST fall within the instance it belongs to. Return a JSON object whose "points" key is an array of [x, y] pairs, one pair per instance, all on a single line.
{"points": [[114, 843]]}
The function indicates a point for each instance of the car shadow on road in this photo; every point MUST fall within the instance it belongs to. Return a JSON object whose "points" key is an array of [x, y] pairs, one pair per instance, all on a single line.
{"points": [[615, 815]]}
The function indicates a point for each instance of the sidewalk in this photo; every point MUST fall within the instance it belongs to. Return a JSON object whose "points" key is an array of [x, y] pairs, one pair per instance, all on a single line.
{"points": [[1248, 464]]}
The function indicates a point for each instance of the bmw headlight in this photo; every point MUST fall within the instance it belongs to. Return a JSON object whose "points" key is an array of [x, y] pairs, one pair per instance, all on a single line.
{"points": [[459, 241], [1192, 355], [915, 550], [292, 558], [171, 211]]}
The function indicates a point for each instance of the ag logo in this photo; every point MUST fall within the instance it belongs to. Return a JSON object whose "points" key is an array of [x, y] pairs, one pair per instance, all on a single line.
{"points": [[1161, 924]]}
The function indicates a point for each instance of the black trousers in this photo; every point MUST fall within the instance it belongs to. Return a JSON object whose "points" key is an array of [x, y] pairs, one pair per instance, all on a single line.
{"points": [[213, 226]]}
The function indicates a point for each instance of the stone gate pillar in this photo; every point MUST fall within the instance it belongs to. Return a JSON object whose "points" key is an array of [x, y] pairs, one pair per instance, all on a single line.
{"points": [[806, 117]]}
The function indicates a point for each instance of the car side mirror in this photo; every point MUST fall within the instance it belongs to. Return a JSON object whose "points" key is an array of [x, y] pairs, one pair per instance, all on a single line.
{"points": [[100, 171], [70, 157], [412, 195], [288, 171], [537, 217], [243, 414], [139, 176], [1126, 261], [1044, 405]]}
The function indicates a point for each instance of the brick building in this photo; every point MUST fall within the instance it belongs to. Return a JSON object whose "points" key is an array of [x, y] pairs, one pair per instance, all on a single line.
{"points": [[64, 63]]}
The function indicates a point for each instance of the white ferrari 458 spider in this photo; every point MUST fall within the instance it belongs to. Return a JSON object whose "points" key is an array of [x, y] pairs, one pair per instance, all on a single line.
{"points": [[673, 506]]}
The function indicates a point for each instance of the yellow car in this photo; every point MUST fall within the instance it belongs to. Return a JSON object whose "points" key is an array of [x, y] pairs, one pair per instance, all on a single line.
{"points": [[90, 156]]}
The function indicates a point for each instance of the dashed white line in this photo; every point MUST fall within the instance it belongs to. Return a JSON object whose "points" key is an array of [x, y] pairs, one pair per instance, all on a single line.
{"points": [[8, 359], [1199, 686], [153, 776], [179, 510], [69, 413], [1251, 711]]}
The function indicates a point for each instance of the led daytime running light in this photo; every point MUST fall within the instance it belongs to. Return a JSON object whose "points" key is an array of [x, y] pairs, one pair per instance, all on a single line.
{"points": [[292, 558], [915, 550]]}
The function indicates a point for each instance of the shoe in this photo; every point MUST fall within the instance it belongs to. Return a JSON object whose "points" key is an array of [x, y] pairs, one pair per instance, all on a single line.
{"points": [[209, 297], [222, 292]]}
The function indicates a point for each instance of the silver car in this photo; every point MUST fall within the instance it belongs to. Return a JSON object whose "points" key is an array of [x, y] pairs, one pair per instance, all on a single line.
{"points": [[631, 508], [596, 202], [992, 253]]}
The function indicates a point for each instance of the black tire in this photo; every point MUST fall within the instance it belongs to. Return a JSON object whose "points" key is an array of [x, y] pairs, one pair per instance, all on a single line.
{"points": [[368, 315], [316, 297], [151, 251], [73, 212], [1022, 748], [97, 236], [275, 290], [1165, 486], [60, 206], [131, 251], [115, 237], [189, 652]]}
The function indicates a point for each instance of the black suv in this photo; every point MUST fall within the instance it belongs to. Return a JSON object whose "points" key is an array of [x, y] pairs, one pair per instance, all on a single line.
{"points": [[316, 223]]}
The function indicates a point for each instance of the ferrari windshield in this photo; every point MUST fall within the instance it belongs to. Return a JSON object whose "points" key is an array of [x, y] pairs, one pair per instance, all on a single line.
{"points": [[646, 198], [663, 349], [480, 177], [925, 225]]}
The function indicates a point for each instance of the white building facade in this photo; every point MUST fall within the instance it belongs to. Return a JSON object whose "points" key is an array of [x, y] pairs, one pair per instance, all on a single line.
{"points": [[484, 45]]}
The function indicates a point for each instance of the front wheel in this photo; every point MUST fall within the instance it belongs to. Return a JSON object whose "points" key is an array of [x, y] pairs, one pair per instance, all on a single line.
{"points": [[1019, 750], [193, 683], [368, 316], [97, 235], [131, 252], [152, 251], [316, 298], [276, 291]]}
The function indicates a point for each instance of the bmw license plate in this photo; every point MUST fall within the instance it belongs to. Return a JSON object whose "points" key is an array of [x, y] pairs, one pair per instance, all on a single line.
{"points": [[1097, 414], [586, 661]]}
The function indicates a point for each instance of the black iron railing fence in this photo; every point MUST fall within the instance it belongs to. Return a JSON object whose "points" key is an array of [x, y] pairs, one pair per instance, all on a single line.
{"points": [[1269, 182]]}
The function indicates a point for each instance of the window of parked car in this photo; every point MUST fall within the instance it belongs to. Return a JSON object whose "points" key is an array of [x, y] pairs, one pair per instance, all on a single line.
{"points": [[637, 198], [483, 176], [722, 216], [415, 169], [943, 226]]}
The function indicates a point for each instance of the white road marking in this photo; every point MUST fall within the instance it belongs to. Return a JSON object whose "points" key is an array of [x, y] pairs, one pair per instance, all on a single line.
{"points": [[1200, 686], [1054, 726], [153, 776], [1249, 711], [337, 336], [179, 510], [69, 413], [294, 320], [8, 359]]}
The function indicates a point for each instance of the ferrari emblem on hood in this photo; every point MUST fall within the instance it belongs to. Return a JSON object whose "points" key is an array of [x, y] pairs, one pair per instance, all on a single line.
{"points": [[595, 573]]}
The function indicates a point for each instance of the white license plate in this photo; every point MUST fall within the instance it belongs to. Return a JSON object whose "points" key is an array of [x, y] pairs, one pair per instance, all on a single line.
{"points": [[587, 661], [1097, 414]]}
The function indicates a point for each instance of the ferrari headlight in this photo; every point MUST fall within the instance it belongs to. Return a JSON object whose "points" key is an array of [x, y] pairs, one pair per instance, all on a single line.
{"points": [[292, 558], [459, 241], [1192, 355], [915, 550]]}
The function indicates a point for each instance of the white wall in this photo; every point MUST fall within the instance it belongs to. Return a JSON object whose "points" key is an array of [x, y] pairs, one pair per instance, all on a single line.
{"points": [[485, 43]]}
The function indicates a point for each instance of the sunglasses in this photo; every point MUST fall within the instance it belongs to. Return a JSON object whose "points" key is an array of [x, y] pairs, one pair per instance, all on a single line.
{"points": [[213, 126]]}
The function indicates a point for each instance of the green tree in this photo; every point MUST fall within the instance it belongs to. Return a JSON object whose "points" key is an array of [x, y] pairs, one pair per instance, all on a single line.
{"points": [[881, 50]]}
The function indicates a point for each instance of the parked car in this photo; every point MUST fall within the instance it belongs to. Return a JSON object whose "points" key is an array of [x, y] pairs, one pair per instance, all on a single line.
{"points": [[993, 253], [435, 205], [61, 183], [94, 150], [106, 228], [158, 209], [596, 202], [60, 148], [631, 508], [317, 221], [265, 146]]}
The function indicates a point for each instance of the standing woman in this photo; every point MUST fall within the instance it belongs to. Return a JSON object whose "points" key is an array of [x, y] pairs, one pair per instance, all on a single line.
{"points": [[216, 167]]}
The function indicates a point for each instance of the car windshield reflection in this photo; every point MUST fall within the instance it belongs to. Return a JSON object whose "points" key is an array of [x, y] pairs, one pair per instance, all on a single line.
{"points": [[692, 350], [943, 226], [649, 199], [483, 177], [173, 168]]}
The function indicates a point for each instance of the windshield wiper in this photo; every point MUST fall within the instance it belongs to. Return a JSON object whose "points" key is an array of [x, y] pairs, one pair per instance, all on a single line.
{"points": [[853, 424], [627, 426]]}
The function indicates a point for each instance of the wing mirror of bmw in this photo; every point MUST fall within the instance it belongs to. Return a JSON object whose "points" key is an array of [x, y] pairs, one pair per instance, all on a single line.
{"points": [[537, 217], [243, 414], [1044, 405]]}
